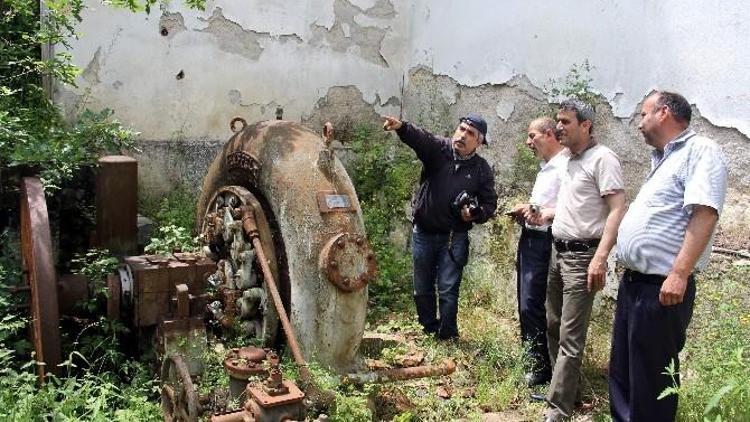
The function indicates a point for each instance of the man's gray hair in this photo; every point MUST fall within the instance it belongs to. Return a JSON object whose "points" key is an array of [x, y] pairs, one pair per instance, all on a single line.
{"points": [[583, 110]]}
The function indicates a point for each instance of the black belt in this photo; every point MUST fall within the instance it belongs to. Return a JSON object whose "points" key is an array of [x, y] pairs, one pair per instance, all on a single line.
{"points": [[575, 245], [635, 276]]}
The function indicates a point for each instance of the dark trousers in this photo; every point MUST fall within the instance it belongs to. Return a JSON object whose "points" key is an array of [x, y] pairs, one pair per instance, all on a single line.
{"points": [[646, 338], [435, 267], [532, 265]]}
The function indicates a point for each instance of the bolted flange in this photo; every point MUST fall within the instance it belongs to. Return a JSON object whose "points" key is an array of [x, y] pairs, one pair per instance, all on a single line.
{"points": [[348, 261]]}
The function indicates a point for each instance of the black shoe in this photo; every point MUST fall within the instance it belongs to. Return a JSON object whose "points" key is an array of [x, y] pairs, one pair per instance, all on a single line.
{"points": [[537, 397], [534, 379]]}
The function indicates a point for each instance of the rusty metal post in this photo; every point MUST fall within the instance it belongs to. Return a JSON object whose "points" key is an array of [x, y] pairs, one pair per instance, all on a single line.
{"points": [[117, 204]]}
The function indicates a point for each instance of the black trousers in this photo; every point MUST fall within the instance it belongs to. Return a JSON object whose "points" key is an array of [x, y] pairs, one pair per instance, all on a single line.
{"points": [[646, 338], [532, 265]]}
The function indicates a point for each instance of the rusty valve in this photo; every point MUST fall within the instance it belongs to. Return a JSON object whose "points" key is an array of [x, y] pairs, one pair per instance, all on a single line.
{"points": [[241, 364]]}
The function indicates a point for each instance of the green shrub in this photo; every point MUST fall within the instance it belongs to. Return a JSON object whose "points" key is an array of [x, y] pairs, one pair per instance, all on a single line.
{"points": [[385, 177], [714, 372], [171, 239], [176, 208]]}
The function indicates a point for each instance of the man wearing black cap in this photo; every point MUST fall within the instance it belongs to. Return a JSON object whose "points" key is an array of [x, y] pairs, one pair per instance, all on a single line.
{"points": [[456, 191]]}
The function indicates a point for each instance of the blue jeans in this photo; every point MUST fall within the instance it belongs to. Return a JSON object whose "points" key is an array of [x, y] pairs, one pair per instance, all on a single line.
{"points": [[435, 266]]}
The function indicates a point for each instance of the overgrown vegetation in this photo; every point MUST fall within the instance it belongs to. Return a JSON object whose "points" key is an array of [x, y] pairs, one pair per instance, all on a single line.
{"points": [[575, 84], [385, 177], [716, 361]]}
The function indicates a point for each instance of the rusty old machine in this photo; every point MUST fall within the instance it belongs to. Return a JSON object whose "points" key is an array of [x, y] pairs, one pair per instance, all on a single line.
{"points": [[284, 251]]}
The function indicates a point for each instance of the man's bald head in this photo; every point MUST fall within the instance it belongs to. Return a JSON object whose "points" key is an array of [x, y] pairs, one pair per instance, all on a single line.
{"points": [[543, 125], [541, 138]]}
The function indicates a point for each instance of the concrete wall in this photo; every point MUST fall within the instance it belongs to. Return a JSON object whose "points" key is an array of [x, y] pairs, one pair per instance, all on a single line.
{"points": [[179, 76]]}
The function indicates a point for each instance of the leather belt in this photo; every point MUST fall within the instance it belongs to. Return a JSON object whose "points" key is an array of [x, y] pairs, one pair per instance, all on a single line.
{"points": [[634, 277], [575, 245]]}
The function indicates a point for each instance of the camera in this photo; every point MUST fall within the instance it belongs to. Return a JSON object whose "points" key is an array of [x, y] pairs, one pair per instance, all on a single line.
{"points": [[464, 199], [534, 208]]}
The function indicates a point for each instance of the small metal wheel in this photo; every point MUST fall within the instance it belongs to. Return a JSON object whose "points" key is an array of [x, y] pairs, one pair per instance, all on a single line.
{"points": [[179, 400]]}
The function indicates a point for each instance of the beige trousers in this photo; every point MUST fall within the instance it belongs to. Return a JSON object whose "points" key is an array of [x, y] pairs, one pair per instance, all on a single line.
{"points": [[568, 314]]}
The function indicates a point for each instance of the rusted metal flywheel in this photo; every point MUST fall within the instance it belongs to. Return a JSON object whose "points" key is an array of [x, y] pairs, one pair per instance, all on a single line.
{"points": [[39, 269]]}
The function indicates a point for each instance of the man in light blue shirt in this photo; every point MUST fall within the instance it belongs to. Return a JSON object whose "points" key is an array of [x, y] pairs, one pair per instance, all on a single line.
{"points": [[663, 239]]}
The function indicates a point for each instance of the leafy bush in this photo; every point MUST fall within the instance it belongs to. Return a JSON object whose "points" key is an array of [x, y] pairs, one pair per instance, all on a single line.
{"points": [[171, 239], [176, 208], [715, 385], [575, 84]]}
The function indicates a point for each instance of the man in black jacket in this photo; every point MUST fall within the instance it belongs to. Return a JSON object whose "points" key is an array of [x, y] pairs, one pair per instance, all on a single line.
{"points": [[456, 191]]}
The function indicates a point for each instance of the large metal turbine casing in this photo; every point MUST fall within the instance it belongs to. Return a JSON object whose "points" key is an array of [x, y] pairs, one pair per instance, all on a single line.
{"points": [[316, 214]]}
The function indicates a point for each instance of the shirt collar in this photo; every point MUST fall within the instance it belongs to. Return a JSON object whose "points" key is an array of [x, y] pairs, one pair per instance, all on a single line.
{"points": [[591, 144], [657, 156], [552, 161]]}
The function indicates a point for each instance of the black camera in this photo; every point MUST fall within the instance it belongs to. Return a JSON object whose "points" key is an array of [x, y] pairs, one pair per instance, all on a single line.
{"points": [[464, 199]]}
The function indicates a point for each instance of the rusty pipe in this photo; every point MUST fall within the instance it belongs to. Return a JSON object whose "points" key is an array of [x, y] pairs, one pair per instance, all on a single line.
{"points": [[238, 416], [447, 367], [251, 230]]}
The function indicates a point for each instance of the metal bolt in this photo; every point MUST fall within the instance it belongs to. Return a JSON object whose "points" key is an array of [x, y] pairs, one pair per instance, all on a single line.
{"points": [[333, 264], [359, 241], [370, 257], [347, 281], [340, 243]]}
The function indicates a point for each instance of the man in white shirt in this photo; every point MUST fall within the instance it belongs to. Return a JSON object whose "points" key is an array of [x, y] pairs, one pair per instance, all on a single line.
{"points": [[664, 238], [535, 246]]}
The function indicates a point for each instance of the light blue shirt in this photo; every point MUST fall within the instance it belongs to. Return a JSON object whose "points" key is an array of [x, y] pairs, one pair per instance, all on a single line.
{"points": [[691, 171]]}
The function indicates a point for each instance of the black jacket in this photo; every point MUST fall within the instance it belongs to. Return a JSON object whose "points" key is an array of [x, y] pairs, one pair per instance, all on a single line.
{"points": [[443, 178]]}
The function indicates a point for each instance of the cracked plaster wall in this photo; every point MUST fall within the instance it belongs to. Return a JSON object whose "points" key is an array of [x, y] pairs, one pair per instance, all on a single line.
{"points": [[178, 76]]}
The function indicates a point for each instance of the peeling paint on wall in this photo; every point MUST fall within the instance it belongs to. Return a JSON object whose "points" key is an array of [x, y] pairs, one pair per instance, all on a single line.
{"points": [[344, 60], [170, 24], [349, 36]]}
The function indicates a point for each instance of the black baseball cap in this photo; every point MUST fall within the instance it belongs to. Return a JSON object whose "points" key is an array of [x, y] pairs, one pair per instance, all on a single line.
{"points": [[477, 122]]}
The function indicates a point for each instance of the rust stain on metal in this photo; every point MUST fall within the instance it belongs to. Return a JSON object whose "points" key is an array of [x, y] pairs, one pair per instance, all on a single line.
{"points": [[38, 264], [348, 262], [179, 399], [117, 204]]}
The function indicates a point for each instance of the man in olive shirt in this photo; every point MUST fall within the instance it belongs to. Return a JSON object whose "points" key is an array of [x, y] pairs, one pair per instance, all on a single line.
{"points": [[589, 208]]}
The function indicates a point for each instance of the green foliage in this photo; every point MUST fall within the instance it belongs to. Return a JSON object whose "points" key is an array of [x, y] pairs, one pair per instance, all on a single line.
{"points": [[33, 134], [714, 383], [176, 208], [146, 5], [575, 84], [171, 239], [95, 265], [386, 173], [523, 172], [89, 397], [351, 406]]}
